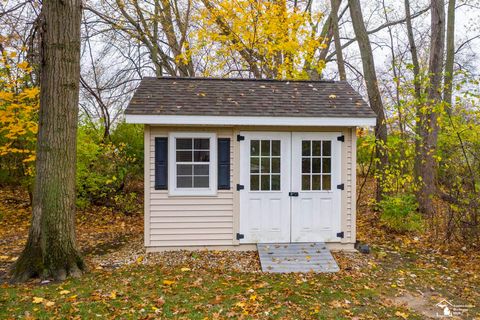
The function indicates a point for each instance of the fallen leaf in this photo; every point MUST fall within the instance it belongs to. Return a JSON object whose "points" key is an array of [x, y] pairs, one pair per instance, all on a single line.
{"points": [[401, 315], [160, 302], [168, 282], [64, 292], [49, 303], [37, 300], [185, 269], [113, 295]]}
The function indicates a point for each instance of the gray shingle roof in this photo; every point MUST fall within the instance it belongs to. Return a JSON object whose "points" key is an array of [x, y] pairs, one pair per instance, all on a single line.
{"points": [[242, 97]]}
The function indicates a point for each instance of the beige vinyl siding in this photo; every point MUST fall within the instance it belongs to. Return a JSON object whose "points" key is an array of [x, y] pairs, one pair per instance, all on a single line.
{"points": [[188, 220], [349, 176]]}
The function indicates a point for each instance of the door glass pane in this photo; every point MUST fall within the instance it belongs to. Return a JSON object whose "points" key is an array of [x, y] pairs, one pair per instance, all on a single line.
{"points": [[276, 148], [276, 165], [316, 165], [326, 182], [265, 182], [316, 182], [306, 165], [317, 148], [306, 182], [254, 165], [326, 168], [254, 182], [327, 148], [254, 148], [265, 147], [306, 148], [276, 182], [265, 165]]}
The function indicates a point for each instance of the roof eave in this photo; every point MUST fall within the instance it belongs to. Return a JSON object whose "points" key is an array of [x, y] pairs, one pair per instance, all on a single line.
{"points": [[249, 120]]}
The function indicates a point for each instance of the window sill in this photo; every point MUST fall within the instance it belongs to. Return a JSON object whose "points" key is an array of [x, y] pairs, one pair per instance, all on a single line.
{"points": [[192, 193]]}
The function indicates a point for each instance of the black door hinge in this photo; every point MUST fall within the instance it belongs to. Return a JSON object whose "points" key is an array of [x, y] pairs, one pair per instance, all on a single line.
{"points": [[240, 236], [341, 235], [293, 194], [341, 186], [240, 137], [341, 138], [240, 187]]}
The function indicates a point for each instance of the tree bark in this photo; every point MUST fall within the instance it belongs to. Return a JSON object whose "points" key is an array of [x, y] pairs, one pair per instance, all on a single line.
{"points": [[450, 52], [51, 246], [429, 115], [373, 91], [336, 36]]}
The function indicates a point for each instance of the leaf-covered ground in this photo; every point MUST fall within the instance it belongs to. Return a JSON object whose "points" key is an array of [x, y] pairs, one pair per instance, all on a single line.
{"points": [[403, 278]]}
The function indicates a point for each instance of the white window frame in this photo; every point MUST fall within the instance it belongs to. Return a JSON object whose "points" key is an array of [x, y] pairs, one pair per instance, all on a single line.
{"points": [[172, 165]]}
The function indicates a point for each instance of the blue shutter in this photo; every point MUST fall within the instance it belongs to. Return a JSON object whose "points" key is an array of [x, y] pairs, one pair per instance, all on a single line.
{"points": [[223, 164], [161, 163]]}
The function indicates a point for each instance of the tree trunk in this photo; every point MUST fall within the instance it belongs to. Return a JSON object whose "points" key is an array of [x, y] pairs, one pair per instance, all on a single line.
{"points": [[373, 91], [336, 36], [429, 116], [51, 247], [417, 87], [447, 94]]}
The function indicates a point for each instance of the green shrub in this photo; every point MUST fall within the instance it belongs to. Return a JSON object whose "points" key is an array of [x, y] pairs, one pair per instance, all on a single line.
{"points": [[399, 213], [104, 168]]}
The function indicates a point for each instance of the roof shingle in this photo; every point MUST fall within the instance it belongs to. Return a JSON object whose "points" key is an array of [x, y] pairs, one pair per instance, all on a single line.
{"points": [[247, 97]]}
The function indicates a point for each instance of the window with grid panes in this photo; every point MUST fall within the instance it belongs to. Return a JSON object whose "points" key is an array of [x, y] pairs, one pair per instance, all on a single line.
{"points": [[316, 165], [265, 165]]}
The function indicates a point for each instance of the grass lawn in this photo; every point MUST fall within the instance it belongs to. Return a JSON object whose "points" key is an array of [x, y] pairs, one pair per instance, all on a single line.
{"points": [[401, 279]]}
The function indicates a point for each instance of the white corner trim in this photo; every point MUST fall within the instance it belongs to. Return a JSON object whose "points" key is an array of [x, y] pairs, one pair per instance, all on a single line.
{"points": [[253, 121]]}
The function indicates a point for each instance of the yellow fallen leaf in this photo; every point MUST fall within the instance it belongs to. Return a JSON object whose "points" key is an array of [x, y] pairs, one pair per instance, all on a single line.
{"points": [[4, 257], [63, 292], [240, 304], [113, 295], [49, 304], [308, 258], [139, 259], [185, 269], [332, 96], [253, 297], [168, 282], [401, 315], [37, 300]]}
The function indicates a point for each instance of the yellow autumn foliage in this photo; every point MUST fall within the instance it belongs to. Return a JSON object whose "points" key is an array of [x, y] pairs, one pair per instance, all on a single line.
{"points": [[278, 40], [19, 105]]}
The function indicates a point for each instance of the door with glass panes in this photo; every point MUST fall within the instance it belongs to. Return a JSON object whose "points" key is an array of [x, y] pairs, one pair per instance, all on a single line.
{"points": [[289, 185]]}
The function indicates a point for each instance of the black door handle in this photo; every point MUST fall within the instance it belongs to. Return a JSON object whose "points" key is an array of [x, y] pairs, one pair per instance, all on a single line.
{"points": [[293, 194]]}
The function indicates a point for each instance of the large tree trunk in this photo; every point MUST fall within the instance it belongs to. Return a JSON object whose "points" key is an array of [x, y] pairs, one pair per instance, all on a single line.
{"points": [[336, 35], [447, 94], [417, 81], [51, 247], [373, 91], [428, 125]]}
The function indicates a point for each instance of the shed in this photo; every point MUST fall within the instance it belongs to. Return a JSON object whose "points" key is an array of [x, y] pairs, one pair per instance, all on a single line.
{"points": [[230, 163]]}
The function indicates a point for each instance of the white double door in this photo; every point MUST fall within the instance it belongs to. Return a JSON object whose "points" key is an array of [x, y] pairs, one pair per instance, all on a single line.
{"points": [[290, 189]]}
